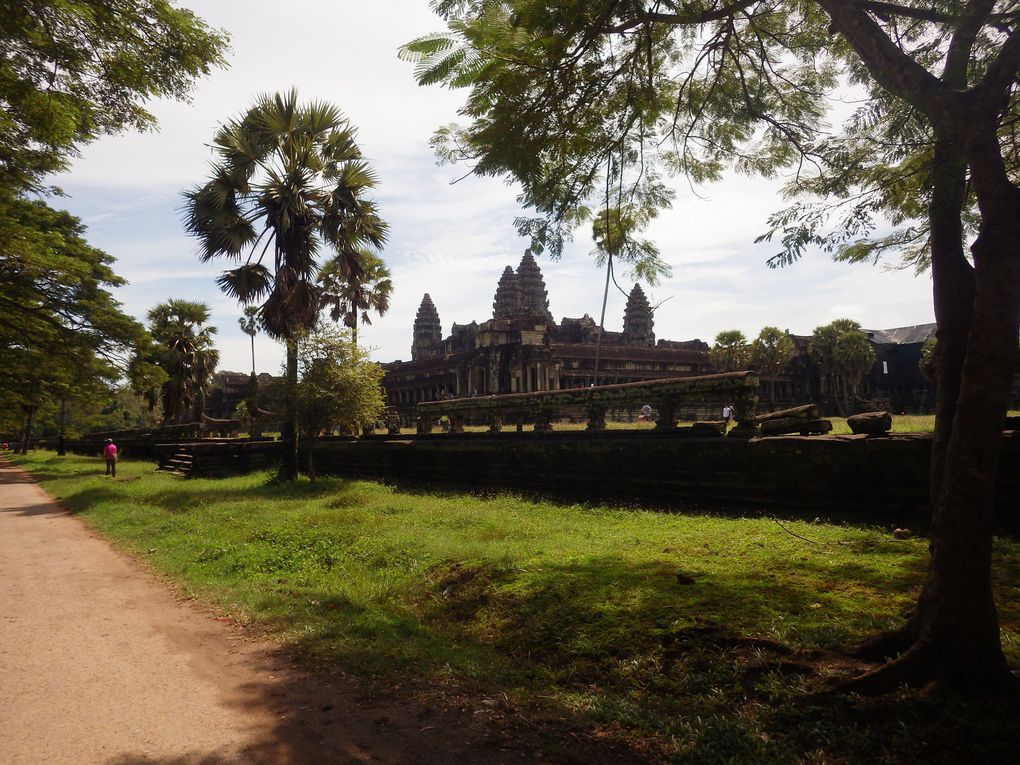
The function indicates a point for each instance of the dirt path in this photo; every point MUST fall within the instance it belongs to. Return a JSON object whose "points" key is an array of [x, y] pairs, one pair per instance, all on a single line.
{"points": [[101, 663]]}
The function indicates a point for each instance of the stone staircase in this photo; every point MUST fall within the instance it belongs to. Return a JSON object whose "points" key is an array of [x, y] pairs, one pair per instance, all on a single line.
{"points": [[179, 464]]}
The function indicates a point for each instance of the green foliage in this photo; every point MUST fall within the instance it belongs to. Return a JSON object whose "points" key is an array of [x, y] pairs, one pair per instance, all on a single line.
{"points": [[183, 350], [575, 612], [289, 178], [353, 284], [77, 69], [64, 336], [292, 175], [339, 387], [587, 105], [731, 353], [249, 324], [843, 355], [771, 351]]}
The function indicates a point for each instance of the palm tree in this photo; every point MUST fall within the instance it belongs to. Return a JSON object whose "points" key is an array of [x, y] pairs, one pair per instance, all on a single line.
{"points": [[843, 356], [730, 352], [249, 324], [351, 290], [185, 352], [289, 179], [770, 352]]}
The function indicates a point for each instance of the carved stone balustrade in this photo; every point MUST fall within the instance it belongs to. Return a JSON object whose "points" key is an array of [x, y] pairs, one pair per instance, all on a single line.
{"points": [[737, 388]]}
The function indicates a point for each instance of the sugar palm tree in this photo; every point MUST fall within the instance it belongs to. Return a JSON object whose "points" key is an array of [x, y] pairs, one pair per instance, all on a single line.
{"points": [[289, 180], [249, 324], [731, 351], [354, 285], [184, 350], [771, 351]]}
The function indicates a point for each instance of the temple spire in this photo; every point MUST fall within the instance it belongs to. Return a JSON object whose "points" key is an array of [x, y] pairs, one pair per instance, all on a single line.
{"points": [[428, 330], [507, 302], [534, 298], [638, 320]]}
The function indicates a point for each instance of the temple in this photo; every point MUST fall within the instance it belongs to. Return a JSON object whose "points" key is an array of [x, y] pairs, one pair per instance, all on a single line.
{"points": [[522, 349]]}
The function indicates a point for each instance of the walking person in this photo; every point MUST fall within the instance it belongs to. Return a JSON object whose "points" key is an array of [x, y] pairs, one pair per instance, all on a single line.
{"points": [[727, 414], [110, 455]]}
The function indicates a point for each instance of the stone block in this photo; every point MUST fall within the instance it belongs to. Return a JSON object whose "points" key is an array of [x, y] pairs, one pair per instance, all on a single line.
{"points": [[870, 423]]}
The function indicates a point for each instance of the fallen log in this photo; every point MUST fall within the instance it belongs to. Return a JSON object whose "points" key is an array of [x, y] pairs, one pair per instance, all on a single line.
{"points": [[805, 412]]}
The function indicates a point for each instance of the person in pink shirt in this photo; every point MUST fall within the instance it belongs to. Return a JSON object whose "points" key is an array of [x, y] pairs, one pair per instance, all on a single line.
{"points": [[110, 454]]}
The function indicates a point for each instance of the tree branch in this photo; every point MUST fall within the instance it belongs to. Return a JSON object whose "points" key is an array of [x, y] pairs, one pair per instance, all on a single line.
{"points": [[893, 69], [681, 19]]}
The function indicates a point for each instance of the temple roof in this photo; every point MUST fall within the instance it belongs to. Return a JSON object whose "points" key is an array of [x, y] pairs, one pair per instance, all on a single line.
{"points": [[534, 297], [508, 300], [917, 333]]}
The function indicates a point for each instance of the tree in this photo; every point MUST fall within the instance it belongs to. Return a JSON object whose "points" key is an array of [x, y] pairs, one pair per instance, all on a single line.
{"points": [[73, 71], [339, 388], [351, 292], [730, 352], [185, 352], [289, 178], [843, 356], [249, 324], [771, 351], [65, 338], [559, 92]]}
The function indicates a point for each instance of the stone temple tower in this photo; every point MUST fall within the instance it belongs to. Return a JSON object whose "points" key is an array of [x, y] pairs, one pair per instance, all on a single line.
{"points": [[534, 298], [637, 319], [428, 330], [507, 302]]}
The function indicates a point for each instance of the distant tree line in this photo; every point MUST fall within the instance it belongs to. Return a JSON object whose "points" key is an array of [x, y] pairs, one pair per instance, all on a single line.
{"points": [[839, 351]]}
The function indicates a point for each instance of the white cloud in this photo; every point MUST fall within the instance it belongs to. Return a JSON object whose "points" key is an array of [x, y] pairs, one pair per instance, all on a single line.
{"points": [[450, 240]]}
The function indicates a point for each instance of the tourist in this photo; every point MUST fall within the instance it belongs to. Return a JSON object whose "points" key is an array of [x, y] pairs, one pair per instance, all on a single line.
{"points": [[110, 455], [646, 413], [727, 413]]}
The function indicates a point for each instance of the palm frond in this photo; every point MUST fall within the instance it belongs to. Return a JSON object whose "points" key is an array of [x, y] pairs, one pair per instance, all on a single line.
{"points": [[248, 283]]}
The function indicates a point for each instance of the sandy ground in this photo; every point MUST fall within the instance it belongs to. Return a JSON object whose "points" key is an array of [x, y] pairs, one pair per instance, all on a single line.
{"points": [[100, 662]]}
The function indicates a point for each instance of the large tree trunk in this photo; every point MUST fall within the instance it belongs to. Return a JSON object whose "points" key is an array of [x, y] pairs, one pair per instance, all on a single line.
{"points": [[289, 458], [953, 291], [959, 617], [955, 629]]}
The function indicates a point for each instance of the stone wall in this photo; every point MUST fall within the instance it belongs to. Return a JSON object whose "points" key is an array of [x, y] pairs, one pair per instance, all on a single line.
{"points": [[880, 477]]}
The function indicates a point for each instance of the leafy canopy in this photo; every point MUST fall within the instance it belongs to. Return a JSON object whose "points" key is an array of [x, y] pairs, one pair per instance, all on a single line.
{"points": [[589, 104], [63, 334], [289, 178], [339, 387], [73, 70]]}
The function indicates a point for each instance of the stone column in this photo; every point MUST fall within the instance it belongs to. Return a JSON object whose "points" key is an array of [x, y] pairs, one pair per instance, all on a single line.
{"points": [[667, 414], [596, 417]]}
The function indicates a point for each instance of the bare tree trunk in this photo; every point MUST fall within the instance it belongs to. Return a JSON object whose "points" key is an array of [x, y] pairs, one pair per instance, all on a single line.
{"points": [[289, 458], [253, 355], [310, 460], [61, 446], [956, 629], [29, 423]]}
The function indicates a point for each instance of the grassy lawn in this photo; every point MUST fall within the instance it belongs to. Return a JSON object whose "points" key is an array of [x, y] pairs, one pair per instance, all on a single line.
{"points": [[691, 638]]}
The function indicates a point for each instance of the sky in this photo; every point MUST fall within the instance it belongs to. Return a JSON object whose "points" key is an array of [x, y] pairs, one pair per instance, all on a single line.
{"points": [[449, 239]]}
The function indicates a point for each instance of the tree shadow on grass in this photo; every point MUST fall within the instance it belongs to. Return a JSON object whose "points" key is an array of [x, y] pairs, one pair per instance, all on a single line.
{"points": [[621, 652]]}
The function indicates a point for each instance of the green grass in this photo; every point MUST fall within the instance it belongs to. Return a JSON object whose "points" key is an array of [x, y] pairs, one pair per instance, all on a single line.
{"points": [[685, 636]]}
